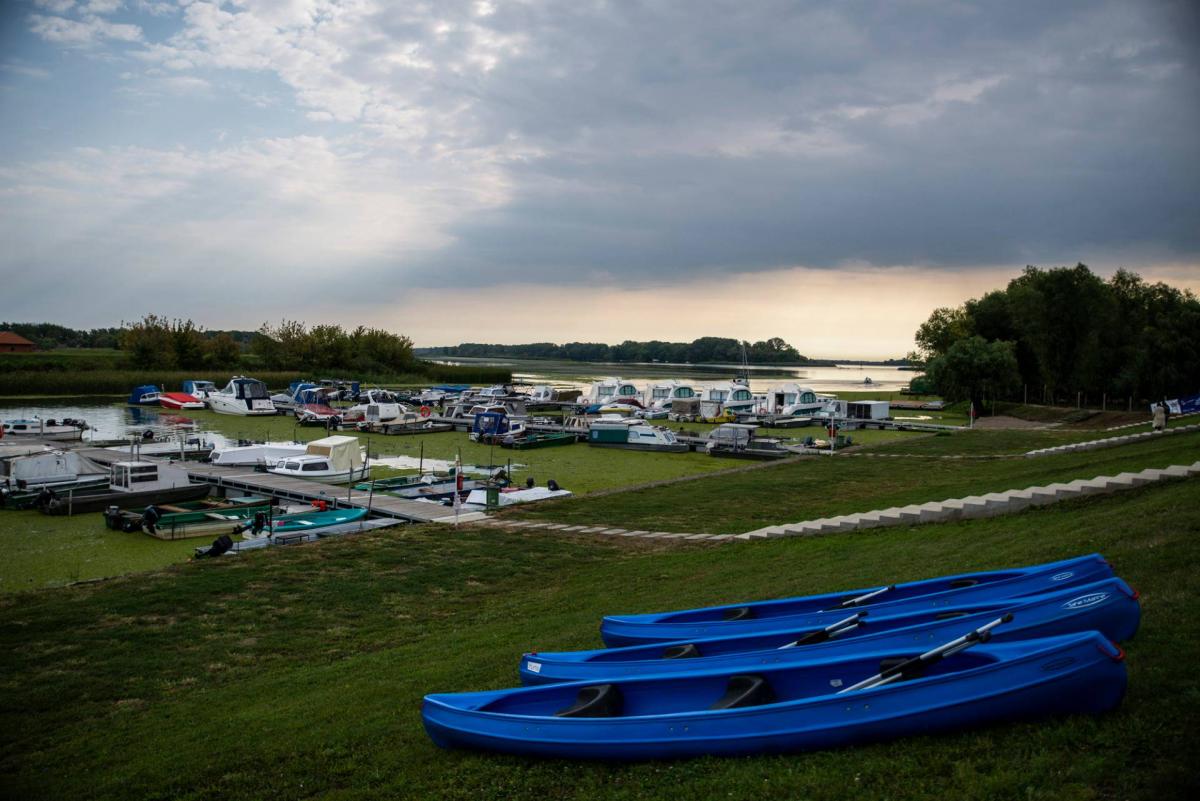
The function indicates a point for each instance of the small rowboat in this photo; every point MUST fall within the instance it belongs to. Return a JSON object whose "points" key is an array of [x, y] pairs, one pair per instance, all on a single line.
{"points": [[936, 593], [531, 441], [849, 699], [1109, 607], [311, 521], [179, 400]]}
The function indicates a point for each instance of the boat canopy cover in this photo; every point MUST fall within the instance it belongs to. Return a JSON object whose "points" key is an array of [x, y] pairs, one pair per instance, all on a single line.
{"points": [[138, 392], [344, 452], [51, 463]]}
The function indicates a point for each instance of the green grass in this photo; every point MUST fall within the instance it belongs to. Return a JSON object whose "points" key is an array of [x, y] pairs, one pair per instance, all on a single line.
{"points": [[822, 486], [298, 673]]}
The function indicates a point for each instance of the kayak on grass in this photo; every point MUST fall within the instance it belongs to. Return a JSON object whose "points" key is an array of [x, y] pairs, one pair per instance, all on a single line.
{"points": [[935, 593], [830, 702], [1110, 607]]}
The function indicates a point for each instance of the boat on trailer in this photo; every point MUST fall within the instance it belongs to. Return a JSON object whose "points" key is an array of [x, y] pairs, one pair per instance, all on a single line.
{"points": [[835, 701]]}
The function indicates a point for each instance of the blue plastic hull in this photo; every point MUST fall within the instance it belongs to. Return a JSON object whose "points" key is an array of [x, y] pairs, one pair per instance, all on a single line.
{"points": [[1109, 607], [916, 596], [669, 716]]}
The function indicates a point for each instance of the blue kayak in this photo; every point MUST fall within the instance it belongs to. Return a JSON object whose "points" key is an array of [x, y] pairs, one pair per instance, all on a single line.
{"points": [[810, 610], [832, 702], [1109, 607]]}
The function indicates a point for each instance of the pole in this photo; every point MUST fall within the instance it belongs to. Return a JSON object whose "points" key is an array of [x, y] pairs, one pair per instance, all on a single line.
{"points": [[421, 462]]}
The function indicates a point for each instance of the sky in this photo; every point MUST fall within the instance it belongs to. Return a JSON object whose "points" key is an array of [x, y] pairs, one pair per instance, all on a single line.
{"points": [[494, 171]]}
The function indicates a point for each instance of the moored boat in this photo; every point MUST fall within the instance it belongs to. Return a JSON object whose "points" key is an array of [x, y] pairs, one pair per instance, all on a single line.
{"points": [[1109, 606], [533, 440], [935, 593], [45, 429], [862, 697], [242, 396], [132, 483], [633, 434], [179, 400], [144, 396], [337, 459]]}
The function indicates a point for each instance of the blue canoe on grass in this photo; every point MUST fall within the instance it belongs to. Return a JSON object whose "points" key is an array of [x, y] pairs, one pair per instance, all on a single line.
{"points": [[1109, 607], [822, 704], [935, 593]]}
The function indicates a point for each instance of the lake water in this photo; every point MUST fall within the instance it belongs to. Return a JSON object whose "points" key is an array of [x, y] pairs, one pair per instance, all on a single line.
{"points": [[578, 375]]}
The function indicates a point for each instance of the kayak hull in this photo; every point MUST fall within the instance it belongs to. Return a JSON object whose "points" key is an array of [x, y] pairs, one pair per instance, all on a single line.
{"points": [[1110, 607], [930, 594], [669, 716]]}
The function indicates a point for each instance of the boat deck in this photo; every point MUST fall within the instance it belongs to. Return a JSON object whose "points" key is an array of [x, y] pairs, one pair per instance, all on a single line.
{"points": [[247, 481]]}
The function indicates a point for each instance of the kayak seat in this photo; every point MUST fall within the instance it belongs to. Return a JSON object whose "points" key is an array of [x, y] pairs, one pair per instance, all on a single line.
{"points": [[948, 615], [740, 613], [688, 651], [747, 690], [599, 701], [958, 584]]}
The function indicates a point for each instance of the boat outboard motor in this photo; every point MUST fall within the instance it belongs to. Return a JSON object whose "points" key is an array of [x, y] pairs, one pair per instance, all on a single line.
{"points": [[147, 435], [220, 545], [46, 497], [150, 516], [530, 483], [552, 485]]}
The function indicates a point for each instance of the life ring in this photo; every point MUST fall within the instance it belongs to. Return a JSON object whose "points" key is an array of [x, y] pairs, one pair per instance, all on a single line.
{"points": [[426, 411]]}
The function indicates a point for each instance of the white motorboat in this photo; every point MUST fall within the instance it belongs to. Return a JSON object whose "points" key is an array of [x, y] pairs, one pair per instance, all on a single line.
{"points": [[336, 459], [633, 434], [509, 496], [792, 400], [662, 395], [258, 453], [375, 406], [612, 389], [242, 396], [25, 470], [198, 388], [47, 429], [542, 393], [734, 396]]}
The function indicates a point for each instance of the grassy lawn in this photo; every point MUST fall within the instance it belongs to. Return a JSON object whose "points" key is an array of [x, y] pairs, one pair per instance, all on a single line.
{"points": [[822, 486], [298, 673]]}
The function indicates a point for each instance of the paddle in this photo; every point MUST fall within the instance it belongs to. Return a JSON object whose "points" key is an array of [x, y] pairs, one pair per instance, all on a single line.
{"points": [[861, 599], [911, 666], [829, 632]]}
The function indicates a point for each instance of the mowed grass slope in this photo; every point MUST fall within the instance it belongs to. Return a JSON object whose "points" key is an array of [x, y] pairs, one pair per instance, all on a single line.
{"points": [[824, 486], [298, 673]]}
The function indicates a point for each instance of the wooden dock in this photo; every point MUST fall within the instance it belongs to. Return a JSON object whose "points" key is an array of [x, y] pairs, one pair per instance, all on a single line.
{"points": [[248, 481]]}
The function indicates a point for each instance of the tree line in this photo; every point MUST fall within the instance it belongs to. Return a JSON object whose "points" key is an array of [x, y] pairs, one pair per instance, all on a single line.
{"points": [[699, 351], [1062, 334], [291, 345]]}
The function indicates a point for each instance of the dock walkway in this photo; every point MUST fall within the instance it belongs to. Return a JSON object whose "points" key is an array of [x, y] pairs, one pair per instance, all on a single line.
{"points": [[246, 479]]}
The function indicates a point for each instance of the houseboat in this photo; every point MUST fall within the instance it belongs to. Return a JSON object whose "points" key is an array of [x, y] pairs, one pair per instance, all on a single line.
{"points": [[661, 396], [130, 484]]}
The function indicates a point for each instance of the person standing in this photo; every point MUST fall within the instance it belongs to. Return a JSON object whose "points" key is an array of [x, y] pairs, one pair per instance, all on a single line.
{"points": [[1160, 416]]}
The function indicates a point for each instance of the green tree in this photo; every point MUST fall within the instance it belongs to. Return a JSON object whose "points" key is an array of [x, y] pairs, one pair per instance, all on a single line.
{"points": [[974, 369], [149, 343], [222, 352]]}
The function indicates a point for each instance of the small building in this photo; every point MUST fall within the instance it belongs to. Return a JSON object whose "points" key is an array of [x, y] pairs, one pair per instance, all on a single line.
{"points": [[868, 410], [15, 343]]}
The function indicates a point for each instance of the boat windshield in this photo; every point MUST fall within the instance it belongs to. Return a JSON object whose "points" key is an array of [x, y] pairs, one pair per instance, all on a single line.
{"points": [[252, 390]]}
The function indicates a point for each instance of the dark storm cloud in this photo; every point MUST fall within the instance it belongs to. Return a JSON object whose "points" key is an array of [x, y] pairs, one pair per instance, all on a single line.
{"points": [[933, 133]]}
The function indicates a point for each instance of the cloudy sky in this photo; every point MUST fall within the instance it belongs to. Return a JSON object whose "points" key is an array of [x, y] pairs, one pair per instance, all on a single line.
{"points": [[517, 171]]}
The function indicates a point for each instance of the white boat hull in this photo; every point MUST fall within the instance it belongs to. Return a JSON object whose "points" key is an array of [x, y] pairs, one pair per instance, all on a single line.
{"points": [[235, 406]]}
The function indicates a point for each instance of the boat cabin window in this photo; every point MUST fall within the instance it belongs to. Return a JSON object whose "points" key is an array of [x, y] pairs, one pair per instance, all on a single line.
{"points": [[313, 467], [808, 397], [252, 390], [684, 392], [661, 392], [605, 391], [292, 466], [741, 394], [628, 390], [718, 394]]}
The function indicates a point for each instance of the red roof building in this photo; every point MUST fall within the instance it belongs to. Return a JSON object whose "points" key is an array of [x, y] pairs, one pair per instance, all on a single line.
{"points": [[15, 343]]}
